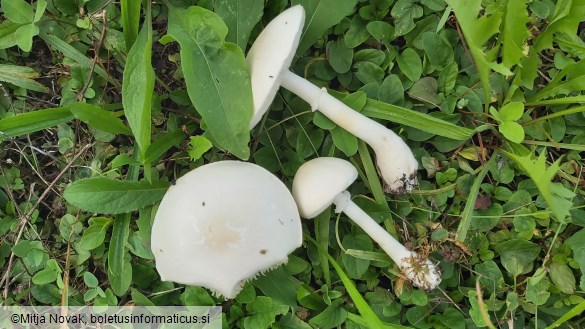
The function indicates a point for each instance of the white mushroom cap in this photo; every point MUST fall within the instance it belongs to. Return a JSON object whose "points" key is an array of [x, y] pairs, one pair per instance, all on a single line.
{"points": [[222, 224], [319, 181], [271, 54]]}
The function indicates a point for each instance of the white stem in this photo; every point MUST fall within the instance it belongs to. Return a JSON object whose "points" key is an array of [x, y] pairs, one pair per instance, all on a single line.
{"points": [[422, 272], [387, 242], [354, 122], [394, 158]]}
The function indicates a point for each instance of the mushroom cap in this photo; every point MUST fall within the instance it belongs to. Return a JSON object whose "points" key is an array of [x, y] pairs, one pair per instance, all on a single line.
{"points": [[223, 223], [270, 55], [319, 181]]}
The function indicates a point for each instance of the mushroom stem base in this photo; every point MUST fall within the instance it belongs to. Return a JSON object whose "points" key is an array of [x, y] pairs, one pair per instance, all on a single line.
{"points": [[421, 271]]}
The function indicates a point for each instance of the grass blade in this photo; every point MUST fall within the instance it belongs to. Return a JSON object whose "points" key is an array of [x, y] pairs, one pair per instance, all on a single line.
{"points": [[21, 76], [130, 11], [404, 116], [467, 214], [365, 310], [31, 122], [77, 56]]}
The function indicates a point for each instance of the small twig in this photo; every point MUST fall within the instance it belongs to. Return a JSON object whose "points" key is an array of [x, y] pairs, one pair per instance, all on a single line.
{"points": [[24, 219], [95, 57]]}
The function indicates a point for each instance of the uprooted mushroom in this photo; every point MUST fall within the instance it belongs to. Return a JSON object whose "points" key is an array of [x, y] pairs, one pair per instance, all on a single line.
{"points": [[222, 224], [269, 59]]}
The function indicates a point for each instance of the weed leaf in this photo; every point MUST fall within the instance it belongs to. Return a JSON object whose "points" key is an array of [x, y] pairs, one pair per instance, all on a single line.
{"points": [[216, 75]]}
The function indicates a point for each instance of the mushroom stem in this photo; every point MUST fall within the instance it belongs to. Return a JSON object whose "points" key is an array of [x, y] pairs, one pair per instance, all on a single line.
{"points": [[421, 271], [394, 158]]}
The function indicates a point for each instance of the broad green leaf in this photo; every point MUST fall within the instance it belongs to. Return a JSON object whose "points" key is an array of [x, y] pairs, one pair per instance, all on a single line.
{"points": [[354, 266], [356, 34], [340, 56], [426, 90], [196, 296], [22, 248], [94, 116], [130, 16], [17, 11], [33, 121], [381, 31], [279, 285], [216, 75], [110, 196], [452, 319], [199, 145], [512, 130], [437, 49], [74, 54], [404, 13], [95, 234], [262, 312], [346, 142], [490, 275], [391, 90], [512, 111], [8, 37], [332, 317], [308, 142], [240, 16], [90, 280], [516, 252], [25, 35], [138, 86], [21, 76], [410, 64], [562, 277], [320, 16], [537, 288], [45, 276], [369, 72], [514, 33]]}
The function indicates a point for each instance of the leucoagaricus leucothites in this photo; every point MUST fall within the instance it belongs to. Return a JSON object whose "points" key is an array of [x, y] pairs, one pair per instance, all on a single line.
{"points": [[222, 224], [269, 59], [323, 181]]}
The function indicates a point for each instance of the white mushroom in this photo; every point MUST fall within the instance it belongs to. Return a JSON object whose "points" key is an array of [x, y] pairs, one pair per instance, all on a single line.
{"points": [[222, 224], [322, 181], [269, 60]]}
